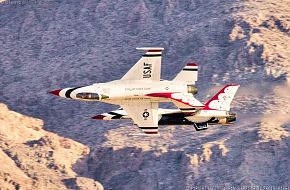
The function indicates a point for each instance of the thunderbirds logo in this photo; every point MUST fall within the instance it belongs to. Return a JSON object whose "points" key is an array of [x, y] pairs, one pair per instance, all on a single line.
{"points": [[147, 69]]}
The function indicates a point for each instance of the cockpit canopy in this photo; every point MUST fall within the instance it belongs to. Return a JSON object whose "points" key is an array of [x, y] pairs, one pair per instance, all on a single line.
{"points": [[88, 96]]}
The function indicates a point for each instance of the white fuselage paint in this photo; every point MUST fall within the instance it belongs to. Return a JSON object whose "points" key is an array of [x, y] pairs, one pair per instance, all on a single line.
{"points": [[119, 91]]}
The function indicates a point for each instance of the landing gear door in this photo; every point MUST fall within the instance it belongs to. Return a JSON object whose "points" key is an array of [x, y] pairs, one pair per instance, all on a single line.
{"points": [[201, 126]]}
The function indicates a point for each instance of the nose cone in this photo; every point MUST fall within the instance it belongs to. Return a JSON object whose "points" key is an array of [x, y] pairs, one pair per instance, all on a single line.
{"points": [[55, 92], [99, 117]]}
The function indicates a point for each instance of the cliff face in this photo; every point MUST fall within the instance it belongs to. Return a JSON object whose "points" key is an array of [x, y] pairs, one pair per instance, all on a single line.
{"points": [[56, 44], [32, 158], [265, 26]]}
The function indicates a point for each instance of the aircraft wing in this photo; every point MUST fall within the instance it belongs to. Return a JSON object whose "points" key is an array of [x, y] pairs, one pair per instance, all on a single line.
{"points": [[120, 113], [144, 114], [115, 114], [148, 67]]}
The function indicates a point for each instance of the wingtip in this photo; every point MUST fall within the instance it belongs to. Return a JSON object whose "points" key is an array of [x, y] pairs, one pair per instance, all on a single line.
{"points": [[150, 48], [151, 132]]}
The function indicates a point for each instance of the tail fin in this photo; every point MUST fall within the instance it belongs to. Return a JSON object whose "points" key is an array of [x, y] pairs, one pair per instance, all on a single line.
{"points": [[188, 73], [148, 67], [222, 100]]}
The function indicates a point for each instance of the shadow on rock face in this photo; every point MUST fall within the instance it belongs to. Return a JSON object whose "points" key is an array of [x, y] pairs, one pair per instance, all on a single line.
{"points": [[132, 168], [237, 160]]}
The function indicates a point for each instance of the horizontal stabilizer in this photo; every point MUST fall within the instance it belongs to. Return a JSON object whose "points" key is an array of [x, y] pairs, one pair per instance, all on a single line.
{"points": [[151, 49], [188, 74]]}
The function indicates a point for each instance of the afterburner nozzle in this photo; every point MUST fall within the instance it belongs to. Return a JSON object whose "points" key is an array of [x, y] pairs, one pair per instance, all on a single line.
{"points": [[192, 89], [231, 118]]}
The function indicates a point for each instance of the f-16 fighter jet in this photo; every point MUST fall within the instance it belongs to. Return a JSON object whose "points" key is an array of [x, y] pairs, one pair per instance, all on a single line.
{"points": [[140, 91]]}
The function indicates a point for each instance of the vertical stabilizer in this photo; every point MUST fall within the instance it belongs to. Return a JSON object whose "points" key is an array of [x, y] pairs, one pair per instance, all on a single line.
{"points": [[222, 100], [148, 67]]}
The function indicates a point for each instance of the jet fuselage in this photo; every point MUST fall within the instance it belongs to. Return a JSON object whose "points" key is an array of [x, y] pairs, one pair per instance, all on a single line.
{"points": [[115, 92]]}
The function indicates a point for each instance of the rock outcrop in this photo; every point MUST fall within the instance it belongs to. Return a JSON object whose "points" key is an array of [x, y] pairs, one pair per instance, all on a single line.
{"points": [[264, 28], [32, 158]]}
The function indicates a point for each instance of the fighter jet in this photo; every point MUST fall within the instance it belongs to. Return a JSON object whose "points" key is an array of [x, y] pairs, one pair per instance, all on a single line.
{"points": [[140, 90]]}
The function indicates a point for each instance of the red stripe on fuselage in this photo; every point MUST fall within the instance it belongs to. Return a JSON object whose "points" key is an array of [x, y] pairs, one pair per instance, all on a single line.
{"points": [[161, 94]]}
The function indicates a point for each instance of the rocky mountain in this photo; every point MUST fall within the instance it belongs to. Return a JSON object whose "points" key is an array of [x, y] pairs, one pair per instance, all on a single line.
{"points": [[47, 45], [32, 158]]}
